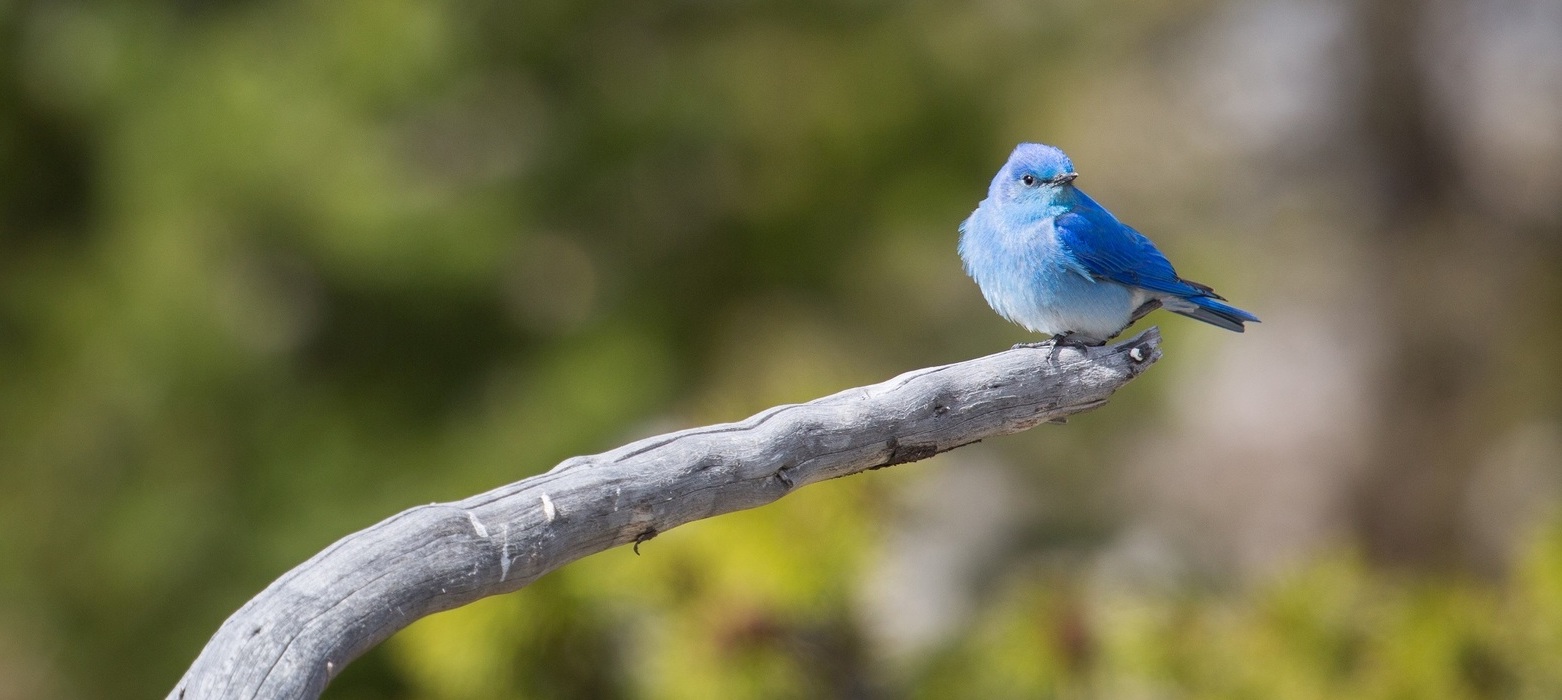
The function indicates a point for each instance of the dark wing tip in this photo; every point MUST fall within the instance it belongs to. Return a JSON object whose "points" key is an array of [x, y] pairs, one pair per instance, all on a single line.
{"points": [[1204, 288]]}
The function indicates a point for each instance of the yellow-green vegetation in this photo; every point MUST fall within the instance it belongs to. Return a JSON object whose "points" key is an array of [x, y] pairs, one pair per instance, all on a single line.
{"points": [[740, 610], [759, 603]]}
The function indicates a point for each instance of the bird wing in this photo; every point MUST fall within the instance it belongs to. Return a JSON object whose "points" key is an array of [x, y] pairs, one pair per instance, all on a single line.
{"points": [[1104, 248]]}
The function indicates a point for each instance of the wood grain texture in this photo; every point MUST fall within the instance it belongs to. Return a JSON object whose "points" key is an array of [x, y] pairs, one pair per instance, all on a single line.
{"points": [[297, 634]]}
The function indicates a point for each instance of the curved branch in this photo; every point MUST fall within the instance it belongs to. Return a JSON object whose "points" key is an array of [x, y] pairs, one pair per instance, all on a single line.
{"points": [[297, 634]]}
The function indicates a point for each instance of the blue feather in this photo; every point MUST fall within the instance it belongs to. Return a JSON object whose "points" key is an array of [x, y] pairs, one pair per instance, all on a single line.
{"points": [[1048, 257], [1109, 249]]}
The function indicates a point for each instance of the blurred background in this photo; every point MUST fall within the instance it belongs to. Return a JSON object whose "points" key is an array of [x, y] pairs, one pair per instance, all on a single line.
{"points": [[273, 270]]}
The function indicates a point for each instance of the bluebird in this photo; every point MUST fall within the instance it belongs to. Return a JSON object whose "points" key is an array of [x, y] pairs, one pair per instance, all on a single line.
{"points": [[1048, 258]]}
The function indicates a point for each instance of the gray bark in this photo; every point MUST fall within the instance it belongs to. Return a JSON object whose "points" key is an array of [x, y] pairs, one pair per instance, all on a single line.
{"points": [[297, 634]]}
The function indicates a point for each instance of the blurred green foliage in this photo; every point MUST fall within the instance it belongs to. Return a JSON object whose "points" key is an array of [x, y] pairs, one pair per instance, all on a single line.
{"points": [[734, 609], [1332, 629], [271, 270]]}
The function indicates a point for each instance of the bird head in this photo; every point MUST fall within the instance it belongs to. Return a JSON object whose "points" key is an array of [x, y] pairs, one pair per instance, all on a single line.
{"points": [[1035, 174]]}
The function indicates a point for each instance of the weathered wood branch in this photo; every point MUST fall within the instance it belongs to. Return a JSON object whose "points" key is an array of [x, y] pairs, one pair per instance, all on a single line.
{"points": [[296, 635]]}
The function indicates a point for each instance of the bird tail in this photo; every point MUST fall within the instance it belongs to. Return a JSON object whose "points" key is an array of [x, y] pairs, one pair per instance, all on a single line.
{"points": [[1211, 311]]}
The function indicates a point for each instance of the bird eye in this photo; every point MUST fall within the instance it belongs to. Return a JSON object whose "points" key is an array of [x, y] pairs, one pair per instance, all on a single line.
{"points": [[1028, 180]]}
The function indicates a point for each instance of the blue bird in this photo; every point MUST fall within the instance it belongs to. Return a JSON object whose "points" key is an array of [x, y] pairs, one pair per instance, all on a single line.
{"points": [[1048, 258]]}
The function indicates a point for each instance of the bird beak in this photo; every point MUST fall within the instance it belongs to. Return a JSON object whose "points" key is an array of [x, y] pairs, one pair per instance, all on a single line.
{"points": [[1066, 178]]}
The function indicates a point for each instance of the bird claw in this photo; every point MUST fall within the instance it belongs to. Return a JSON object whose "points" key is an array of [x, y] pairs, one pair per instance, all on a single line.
{"points": [[1057, 343], [1069, 339]]}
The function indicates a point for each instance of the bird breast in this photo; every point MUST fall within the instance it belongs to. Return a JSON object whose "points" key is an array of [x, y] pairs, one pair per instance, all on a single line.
{"points": [[1028, 278]]}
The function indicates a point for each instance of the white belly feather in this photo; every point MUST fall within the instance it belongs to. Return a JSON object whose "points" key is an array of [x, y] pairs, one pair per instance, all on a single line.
{"points": [[1025, 277]]}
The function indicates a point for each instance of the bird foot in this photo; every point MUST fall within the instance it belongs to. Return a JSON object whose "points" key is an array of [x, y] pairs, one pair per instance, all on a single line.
{"points": [[1057, 343], [1068, 340]]}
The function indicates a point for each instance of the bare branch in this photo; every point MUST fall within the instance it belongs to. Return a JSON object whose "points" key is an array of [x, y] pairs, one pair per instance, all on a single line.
{"points": [[296, 635]]}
